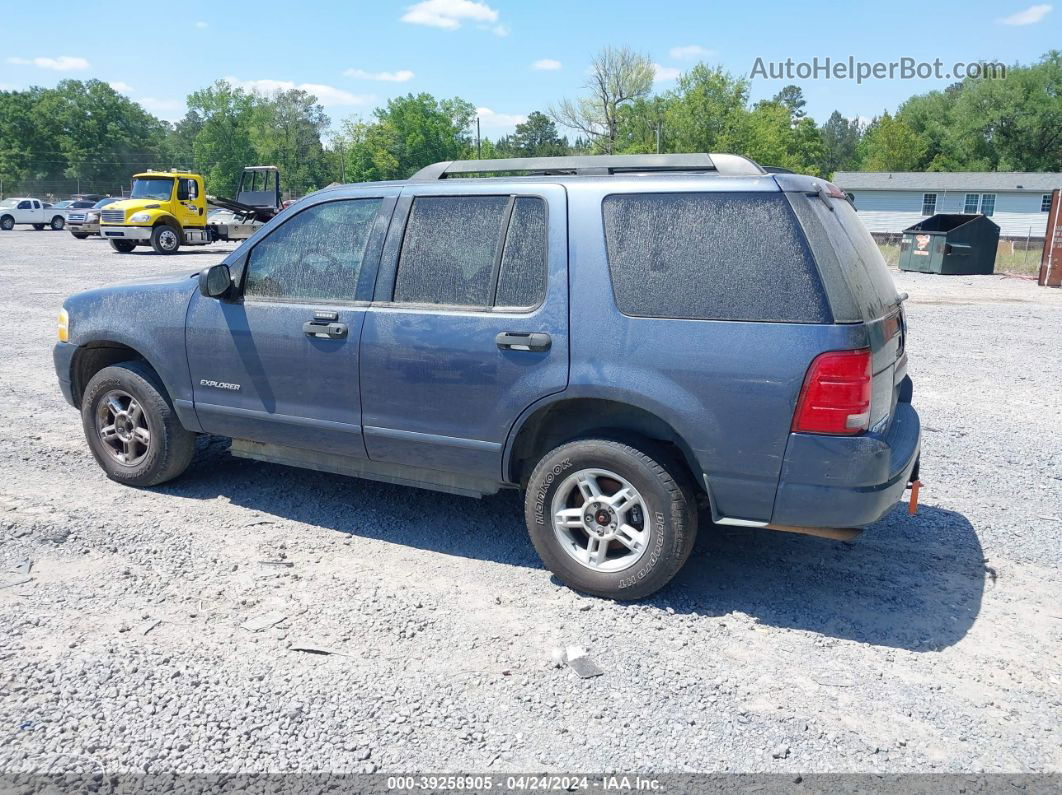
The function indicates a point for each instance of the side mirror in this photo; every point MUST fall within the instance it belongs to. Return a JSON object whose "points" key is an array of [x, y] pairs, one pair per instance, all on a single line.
{"points": [[215, 281]]}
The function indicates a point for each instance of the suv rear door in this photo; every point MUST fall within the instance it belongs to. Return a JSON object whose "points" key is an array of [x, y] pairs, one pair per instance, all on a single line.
{"points": [[442, 384]]}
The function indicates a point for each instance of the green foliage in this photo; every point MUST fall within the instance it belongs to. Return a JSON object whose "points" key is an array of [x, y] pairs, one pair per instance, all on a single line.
{"points": [[536, 137], [409, 133], [890, 144], [84, 133], [76, 131]]}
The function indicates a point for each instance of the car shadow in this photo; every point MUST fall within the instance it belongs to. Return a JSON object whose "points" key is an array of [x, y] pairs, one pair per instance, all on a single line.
{"points": [[911, 582]]}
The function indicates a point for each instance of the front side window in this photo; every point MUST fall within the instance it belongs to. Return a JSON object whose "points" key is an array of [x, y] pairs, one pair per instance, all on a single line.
{"points": [[970, 207], [474, 251], [25, 205], [158, 188], [929, 203], [988, 203], [187, 190], [314, 255], [711, 256]]}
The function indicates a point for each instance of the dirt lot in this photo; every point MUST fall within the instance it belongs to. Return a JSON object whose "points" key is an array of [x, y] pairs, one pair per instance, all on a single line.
{"points": [[932, 643]]}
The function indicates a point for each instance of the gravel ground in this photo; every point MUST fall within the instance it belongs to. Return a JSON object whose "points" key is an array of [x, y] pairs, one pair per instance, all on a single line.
{"points": [[932, 643]]}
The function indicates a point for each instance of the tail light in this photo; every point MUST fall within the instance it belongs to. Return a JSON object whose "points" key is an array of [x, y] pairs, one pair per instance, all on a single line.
{"points": [[835, 397]]}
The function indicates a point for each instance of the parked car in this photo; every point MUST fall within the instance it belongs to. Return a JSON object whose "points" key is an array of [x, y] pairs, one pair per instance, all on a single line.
{"points": [[624, 339], [73, 204], [24, 210], [86, 223]]}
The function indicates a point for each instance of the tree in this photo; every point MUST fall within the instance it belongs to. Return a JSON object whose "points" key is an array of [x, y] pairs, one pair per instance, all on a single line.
{"points": [[285, 130], [705, 111], [792, 99], [536, 137], [618, 75], [891, 145], [408, 134], [222, 146], [768, 136], [840, 144]]}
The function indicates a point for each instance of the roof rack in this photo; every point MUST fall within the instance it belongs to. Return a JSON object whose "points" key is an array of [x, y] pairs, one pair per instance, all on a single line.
{"points": [[593, 165]]}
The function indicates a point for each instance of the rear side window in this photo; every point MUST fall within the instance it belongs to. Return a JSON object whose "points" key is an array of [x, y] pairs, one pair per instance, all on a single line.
{"points": [[711, 256], [474, 251]]}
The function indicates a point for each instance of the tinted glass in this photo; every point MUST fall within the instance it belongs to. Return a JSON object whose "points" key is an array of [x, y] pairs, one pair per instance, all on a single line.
{"points": [[316, 254], [450, 250], [711, 256], [522, 278]]}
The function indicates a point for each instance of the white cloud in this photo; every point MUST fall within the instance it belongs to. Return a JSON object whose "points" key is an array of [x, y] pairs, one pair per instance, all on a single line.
{"points": [[449, 14], [62, 63], [1030, 16], [498, 30], [153, 103], [546, 65], [663, 74], [690, 52], [201, 25], [328, 95], [488, 118], [120, 87], [401, 76]]}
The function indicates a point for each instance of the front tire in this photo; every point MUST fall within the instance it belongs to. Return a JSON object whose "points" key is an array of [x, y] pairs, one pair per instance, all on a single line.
{"points": [[39, 227], [165, 239], [131, 427], [7, 223], [123, 246], [80, 235], [609, 519], [58, 223]]}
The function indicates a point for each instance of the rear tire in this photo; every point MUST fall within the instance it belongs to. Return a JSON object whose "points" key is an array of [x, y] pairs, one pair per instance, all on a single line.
{"points": [[131, 427], [39, 227], [622, 536], [80, 235], [165, 239], [123, 246], [7, 223], [58, 223]]}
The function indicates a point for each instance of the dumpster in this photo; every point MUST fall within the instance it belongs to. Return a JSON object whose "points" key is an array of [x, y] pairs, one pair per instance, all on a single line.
{"points": [[950, 243]]}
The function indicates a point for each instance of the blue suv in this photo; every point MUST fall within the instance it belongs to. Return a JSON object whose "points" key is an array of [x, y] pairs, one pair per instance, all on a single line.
{"points": [[625, 339]]}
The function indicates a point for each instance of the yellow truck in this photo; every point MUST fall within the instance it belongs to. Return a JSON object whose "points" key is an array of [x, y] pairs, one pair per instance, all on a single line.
{"points": [[168, 209]]}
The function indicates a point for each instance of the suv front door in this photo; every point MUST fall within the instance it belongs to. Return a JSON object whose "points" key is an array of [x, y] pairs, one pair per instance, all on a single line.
{"points": [[442, 384], [279, 362]]}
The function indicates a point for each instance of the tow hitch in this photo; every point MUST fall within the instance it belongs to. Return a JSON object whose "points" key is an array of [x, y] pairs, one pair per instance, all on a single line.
{"points": [[912, 505]]}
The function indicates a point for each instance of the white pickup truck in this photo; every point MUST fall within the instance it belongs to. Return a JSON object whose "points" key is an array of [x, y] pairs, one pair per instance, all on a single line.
{"points": [[21, 210]]}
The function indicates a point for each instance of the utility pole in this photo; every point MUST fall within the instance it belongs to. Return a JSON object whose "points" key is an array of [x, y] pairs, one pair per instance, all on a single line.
{"points": [[342, 163], [658, 137], [478, 149]]}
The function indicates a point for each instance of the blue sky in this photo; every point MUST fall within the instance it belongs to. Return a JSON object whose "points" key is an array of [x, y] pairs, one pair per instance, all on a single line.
{"points": [[508, 57]]}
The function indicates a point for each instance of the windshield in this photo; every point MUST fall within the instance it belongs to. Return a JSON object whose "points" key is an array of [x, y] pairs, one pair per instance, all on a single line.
{"points": [[8, 202], [152, 188], [103, 203]]}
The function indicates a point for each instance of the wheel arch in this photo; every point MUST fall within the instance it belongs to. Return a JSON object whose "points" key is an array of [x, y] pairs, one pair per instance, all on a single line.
{"points": [[556, 422], [91, 357]]}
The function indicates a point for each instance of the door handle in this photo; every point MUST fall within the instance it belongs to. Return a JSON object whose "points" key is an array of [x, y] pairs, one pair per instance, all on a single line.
{"points": [[335, 331], [523, 341]]}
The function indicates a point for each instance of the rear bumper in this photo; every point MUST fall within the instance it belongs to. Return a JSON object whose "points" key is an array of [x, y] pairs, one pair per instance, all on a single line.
{"points": [[126, 232], [847, 481], [63, 355]]}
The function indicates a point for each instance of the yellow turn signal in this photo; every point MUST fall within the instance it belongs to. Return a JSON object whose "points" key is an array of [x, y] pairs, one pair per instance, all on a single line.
{"points": [[64, 326]]}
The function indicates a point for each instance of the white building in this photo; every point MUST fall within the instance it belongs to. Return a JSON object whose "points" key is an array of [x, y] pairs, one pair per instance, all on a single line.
{"points": [[890, 201]]}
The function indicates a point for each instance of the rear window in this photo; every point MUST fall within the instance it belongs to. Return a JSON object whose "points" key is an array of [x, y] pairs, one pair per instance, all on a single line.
{"points": [[843, 246], [711, 256]]}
